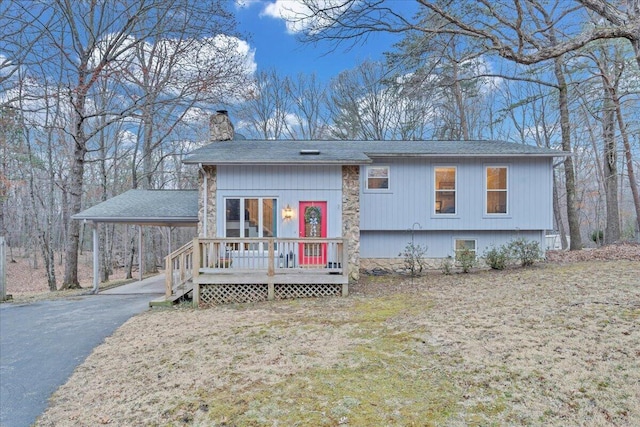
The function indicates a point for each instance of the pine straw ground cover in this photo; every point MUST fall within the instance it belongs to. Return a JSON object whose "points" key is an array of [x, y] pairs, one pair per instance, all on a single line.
{"points": [[555, 344]]}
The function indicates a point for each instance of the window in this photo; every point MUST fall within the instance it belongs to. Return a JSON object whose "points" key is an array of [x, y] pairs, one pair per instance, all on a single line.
{"points": [[377, 177], [464, 245], [259, 217], [445, 184], [496, 189]]}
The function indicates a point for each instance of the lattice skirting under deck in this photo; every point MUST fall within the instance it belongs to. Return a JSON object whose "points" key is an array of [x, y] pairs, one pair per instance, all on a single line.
{"points": [[240, 293], [287, 291]]}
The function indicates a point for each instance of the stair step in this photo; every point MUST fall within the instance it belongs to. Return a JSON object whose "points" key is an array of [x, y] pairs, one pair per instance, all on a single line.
{"points": [[173, 299]]}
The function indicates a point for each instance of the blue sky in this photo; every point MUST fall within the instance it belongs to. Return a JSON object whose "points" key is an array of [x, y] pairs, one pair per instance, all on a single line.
{"points": [[277, 46]]}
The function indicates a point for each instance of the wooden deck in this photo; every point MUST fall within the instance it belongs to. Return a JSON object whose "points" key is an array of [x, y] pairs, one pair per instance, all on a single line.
{"points": [[225, 270]]}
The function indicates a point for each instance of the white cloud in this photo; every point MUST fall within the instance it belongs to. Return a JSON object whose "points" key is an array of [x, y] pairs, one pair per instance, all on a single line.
{"points": [[196, 115], [298, 17], [245, 4], [6, 66], [127, 138], [220, 62]]}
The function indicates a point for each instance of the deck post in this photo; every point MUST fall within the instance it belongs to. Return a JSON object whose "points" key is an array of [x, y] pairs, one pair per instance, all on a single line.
{"points": [[271, 270], [196, 272], [271, 264], [271, 289], [345, 265], [182, 261]]}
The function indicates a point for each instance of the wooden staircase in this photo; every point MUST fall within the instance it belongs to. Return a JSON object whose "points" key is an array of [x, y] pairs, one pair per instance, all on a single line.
{"points": [[178, 277], [180, 293]]}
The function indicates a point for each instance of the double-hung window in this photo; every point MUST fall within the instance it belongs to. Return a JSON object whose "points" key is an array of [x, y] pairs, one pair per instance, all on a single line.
{"points": [[497, 189], [445, 190], [247, 217], [377, 177]]}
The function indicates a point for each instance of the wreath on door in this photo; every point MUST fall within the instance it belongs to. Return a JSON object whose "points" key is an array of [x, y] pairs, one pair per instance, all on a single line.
{"points": [[312, 214]]}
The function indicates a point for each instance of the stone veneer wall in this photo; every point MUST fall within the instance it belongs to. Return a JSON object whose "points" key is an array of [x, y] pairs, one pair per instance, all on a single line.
{"points": [[351, 217], [212, 183]]}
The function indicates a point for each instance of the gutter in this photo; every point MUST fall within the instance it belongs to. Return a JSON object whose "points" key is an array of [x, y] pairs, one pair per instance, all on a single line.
{"points": [[138, 220]]}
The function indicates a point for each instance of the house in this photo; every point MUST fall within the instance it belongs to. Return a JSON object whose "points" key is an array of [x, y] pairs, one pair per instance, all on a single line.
{"points": [[280, 219]]}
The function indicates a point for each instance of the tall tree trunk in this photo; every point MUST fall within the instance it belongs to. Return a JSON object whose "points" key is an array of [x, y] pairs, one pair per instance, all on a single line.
{"points": [[49, 247], [556, 213], [76, 180], [132, 254], [570, 178], [633, 183], [149, 256], [610, 170], [104, 268], [457, 91], [42, 240]]}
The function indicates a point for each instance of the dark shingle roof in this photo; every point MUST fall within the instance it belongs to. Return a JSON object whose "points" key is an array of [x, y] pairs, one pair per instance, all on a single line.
{"points": [[147, 207], [354, 152]]}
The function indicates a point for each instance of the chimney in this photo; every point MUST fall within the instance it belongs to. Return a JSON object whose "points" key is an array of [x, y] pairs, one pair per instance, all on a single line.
{"points": [[221, 127]]}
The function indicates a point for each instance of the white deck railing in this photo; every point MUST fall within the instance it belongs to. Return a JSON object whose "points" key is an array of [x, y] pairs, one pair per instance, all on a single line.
{"points": [[270, 256]]}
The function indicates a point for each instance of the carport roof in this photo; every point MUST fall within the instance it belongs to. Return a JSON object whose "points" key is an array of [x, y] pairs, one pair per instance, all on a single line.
{"points": [[170, 208]]}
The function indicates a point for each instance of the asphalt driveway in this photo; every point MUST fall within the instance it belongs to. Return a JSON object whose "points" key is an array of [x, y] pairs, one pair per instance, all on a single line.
{"points": [[42, 343]]}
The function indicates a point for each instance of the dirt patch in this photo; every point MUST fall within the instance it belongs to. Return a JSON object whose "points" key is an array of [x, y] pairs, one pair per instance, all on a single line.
{"points": [[556, 344], [26, 283]]}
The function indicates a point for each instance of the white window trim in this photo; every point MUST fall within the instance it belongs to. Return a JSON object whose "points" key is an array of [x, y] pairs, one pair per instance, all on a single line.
{"points": [[486, 191], [475, 246], [260, 214], [435, 191], [366, 179]]}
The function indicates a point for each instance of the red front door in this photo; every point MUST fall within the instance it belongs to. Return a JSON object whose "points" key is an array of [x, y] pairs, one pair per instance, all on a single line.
{"points": [[313, 224]]}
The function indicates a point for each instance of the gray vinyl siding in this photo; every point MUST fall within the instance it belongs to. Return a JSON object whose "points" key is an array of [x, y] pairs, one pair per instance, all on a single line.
{"points": [[410, 198], [440, 244], [290, 185]]}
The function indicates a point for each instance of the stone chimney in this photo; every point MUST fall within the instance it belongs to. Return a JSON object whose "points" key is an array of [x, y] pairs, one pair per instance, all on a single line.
{"points": [[220, 126]]}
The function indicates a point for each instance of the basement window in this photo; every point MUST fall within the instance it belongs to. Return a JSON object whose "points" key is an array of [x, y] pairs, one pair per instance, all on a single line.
{"points": [[309, 152]]}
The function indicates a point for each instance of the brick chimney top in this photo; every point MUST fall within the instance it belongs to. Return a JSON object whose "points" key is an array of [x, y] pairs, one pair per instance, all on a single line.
{"points": [[220, 126]]}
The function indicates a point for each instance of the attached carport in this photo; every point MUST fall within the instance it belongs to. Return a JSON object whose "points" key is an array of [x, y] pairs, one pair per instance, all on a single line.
{"points": [[163, 208]]}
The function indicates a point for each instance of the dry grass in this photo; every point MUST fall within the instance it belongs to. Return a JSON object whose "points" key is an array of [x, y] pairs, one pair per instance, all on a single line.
{"points": [[28, 284], [557, 344]]}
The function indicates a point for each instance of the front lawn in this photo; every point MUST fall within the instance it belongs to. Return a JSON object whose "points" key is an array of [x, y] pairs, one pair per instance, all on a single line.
{"points": [[556, 344]]}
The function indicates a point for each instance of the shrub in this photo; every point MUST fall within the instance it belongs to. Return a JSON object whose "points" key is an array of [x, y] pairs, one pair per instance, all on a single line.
{"points": [[466, 259], [414, 258], [497, 258], [527, 252], [446, 265]]}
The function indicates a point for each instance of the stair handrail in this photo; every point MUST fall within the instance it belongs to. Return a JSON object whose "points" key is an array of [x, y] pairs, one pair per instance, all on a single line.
{"points": [[185, 256]]}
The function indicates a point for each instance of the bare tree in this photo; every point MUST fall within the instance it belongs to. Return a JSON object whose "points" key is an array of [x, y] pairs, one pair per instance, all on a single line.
{"points": [[266, 111], [623, 18], [81, 44], [362, 105], [172, 73], [522, 31], [308, 99]]}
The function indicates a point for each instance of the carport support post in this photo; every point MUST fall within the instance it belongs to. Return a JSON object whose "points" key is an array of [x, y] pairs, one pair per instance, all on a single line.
{"points": [[3, 275], [96, 259], [140, 249]]}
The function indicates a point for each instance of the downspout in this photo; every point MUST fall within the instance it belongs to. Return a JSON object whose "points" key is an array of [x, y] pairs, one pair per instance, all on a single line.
{"points": [[205, 199]]}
